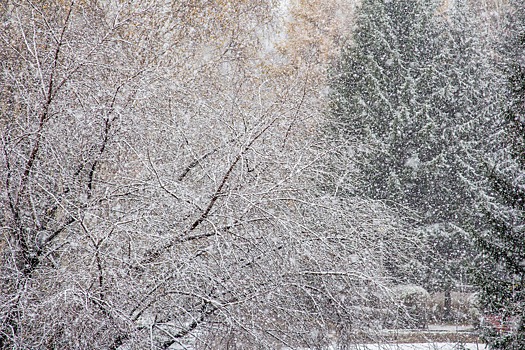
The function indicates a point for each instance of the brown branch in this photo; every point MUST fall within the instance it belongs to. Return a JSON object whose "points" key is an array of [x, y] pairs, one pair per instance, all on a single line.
{"points": [[153, 254], [45, 111], [194, 164], [225, 178], [12, 206], [205, 312], [91, 173], [296, 114]]}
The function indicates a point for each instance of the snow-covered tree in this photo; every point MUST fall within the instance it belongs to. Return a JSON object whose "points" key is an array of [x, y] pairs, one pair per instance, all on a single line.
{"points": [[411, 91], [159, 186], [501, 274]]}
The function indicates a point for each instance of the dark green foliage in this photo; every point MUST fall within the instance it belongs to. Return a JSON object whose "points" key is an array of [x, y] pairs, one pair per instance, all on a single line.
{"points": [[501, 274], [410, 87], [377, 92], [411, 92]]}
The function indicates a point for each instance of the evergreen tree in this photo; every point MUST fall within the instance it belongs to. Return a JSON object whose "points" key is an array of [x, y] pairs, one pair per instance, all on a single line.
{"points": [[410, 89], [461, 101], [377, 93], [501, 274]]}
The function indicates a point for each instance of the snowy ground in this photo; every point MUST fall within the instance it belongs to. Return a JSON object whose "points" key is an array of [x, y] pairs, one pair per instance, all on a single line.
{"points": [[412, 346], [449, 328], [426, 346]]}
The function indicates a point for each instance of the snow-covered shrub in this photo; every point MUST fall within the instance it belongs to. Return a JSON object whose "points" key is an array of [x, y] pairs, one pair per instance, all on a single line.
{"points": [[412, 301]]}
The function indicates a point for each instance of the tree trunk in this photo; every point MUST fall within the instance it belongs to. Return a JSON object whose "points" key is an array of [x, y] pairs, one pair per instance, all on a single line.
{"points": [[447, 306]]}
